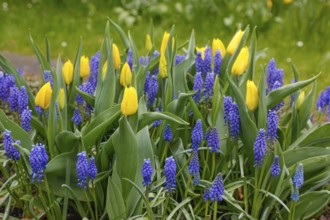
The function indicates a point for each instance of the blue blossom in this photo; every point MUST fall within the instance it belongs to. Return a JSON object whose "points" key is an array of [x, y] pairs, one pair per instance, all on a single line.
{"points": [[279, 105], [227, 103], [217, 62], [92, 168], [207, 62], [82, 169], [94, 67], [20, 71], [39, 110], [146, 83], [199, 63], [298, 177], [207, 192], [87, 88], [13, 98], [48, 77], [276, 168], [156, 70], [260, 148], [273, 75], [152, 91], [197, 135], [213, 140], [321, 102], [209, 82], [295, 194], [168, 133], [26, 116], [217, 190], [179, 58], [157, 122], [170, 173], [10, 149], [23, 99], [272, 122], [143, 60], [38, 161], [130, 59], [6, 82], [234, 121], [198, 85], [76, 118], [147, 171], [193, 166]]}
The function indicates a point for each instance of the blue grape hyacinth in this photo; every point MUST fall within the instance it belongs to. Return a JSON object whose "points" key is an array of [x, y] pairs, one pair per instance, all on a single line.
{"points": [[170, 173], [10, 149], [197, 135], [26, 116], [198, 86], [207, 62], [14, 94], [147, 171], [234, 121], [273, 75], [217, 62], [208, 87], [227, 103], [92, 168], [213, 140], [275, 169], [260, 146], [82, 169], [38, 161], [217, 189], [298, 180], [76, 118], [23, 99], [152, 91], [207, 191], [193, 167], [168, 133], [272, 122]]}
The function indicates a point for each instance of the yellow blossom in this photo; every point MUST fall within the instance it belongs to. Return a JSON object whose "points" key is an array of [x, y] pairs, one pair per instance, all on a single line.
{"points": [[116, 55], [162, 66], [269, 4], [163, 47], [43, 96], [84, 67], [104, 69], [202, 50], [252, 96], [234, 42], [125, 75], [218, 45], [241, 62], [67, 72], [148, 43], [61, 98], [300, 99], [287, 1], [129, 104]]}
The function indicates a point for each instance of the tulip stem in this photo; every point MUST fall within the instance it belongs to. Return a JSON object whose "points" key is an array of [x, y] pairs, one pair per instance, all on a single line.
{"points": [[163, 94], [164, 153], [215, 210]]}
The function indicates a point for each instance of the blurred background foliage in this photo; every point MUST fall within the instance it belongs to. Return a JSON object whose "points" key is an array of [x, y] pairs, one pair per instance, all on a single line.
{"points": [[287, 29]]}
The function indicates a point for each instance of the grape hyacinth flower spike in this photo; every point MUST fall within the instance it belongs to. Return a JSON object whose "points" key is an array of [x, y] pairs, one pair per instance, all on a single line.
{"points": [[197, 135], [198, 85], [10, 149], [82, 170], [298, 180], [147, 171], [275, 169], [193, 167], [260, 148], [213, 140], [168, 133], [272, 122], [92, 169], [170, 173], [217, 189], [38, 161]]}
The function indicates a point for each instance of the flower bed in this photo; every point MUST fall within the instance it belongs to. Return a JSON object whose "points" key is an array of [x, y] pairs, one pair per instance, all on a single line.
{"points": [[165, 135]]}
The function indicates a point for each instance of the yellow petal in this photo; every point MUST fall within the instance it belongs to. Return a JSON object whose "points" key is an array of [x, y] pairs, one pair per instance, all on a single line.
{"points": [[202, 50], [252, 96], [116, 55], [162, 66], [67, 71], [125, 75], [43, 96], [129, 104], [61, 98], [104, 69], [234, 42], [241, 62], [218, 45], [84, 67], [148, 43], [300, 99]]}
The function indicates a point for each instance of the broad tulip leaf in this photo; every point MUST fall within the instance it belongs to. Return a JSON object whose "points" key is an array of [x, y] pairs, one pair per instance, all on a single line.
{"points": [[295, 156], [66, 141], [115, 205], [305, 110], [178, 106], [122, 34], [262, 108]]}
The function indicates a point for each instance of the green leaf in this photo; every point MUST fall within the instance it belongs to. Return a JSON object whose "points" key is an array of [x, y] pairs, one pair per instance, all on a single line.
{"points": [[75, 199], [122, 34], [177, 106], [277, 95], [149, 117], [177, 207], [115, 205], [67, 141], [90, 99], [45, 65], [216, 100], [98, 126], [262, 108], [17, 132], [296, 155], [305, 110]]}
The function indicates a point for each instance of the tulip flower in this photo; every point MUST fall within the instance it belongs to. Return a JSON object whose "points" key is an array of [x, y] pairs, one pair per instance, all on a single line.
{"points": [[125, 75], [163, 66], [300, 99], [84, 67], [104, 69], [269, 4], [116, 56], [202, 50], [67, 71], [148, 43], [218, 45], [287, 1], [61, 98], [241, 62], [43, 96], [129, 104], [163, 47], [252, 97], [232, 46]]}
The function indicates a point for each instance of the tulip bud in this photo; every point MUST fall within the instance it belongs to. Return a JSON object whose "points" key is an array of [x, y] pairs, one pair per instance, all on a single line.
{"points": [[232, 46], [116, 56], [300, 99], [67, 72], [148, 43], [129, 104], [84, 67], [61, 98], [104, 69], [241, 62], [287, 1], [43, 96], [252, 96], [202, 50], [269, 4], [163, 47], [162, 66], [218, 45], [125, 75]]}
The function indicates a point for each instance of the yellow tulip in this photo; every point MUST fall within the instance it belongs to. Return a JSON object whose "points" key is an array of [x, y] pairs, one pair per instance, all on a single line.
{"points": [[252, 96], [202, 50], [269, 4], [232, 46], [129, 104], [241, 62], [148, 43], [116, 56], [125, 75], [218, 45], [162, 66], [300, 99], [61, 98], [84, 67], [43, 96], [67, 71], [104, 69], [287, 1], [163, 47]]}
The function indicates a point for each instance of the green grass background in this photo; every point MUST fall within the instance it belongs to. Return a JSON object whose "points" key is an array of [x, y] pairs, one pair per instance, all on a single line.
{"points": [[279, 28]]}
